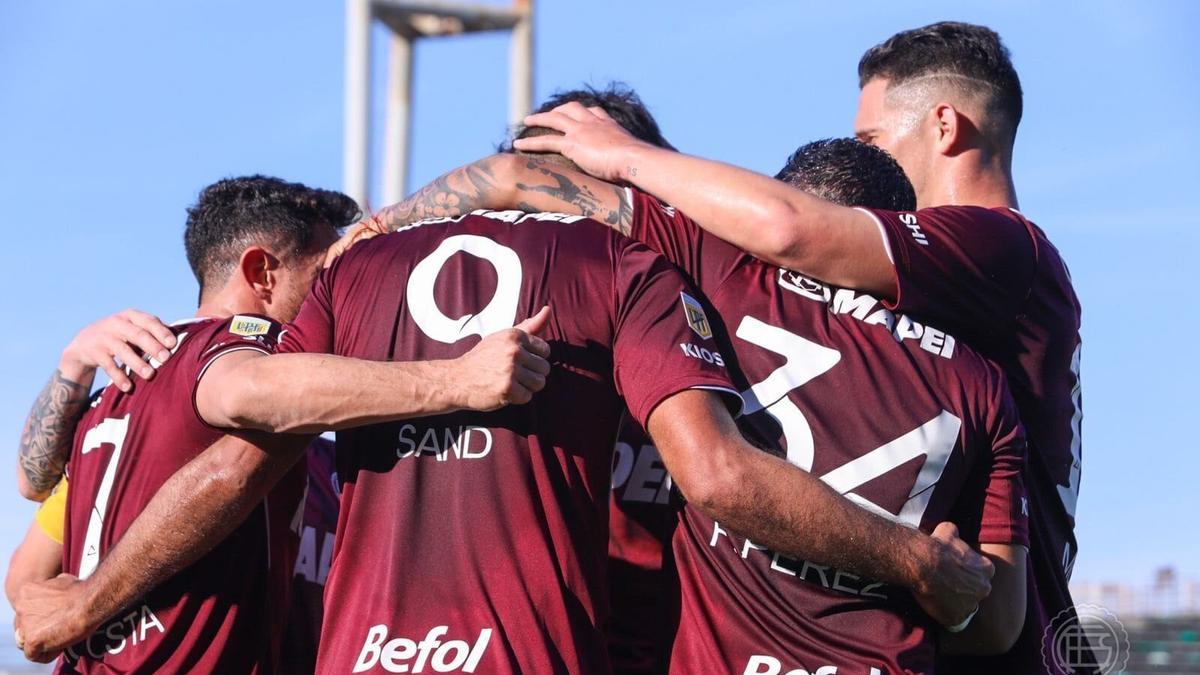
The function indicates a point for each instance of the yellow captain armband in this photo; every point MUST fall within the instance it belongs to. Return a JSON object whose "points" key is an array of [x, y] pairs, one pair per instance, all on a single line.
{"points": [[52, 514]]}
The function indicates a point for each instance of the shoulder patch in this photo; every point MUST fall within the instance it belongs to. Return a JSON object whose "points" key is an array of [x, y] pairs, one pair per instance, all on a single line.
{"points": [[248, 326], [696, 318]]}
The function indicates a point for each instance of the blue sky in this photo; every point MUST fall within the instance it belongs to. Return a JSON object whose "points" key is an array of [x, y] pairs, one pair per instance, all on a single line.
{"points": [[114, 115]]}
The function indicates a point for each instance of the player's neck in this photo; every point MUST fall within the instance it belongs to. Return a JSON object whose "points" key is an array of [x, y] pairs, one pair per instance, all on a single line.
{"points": [[225, 304], [971, 184]]}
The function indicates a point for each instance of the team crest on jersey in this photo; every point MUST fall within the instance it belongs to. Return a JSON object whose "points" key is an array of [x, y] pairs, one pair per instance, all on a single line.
{"points": [[249, 326], [696, 318]]}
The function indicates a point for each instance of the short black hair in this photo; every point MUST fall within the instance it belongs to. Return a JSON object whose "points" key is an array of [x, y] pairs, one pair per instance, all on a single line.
{"points": [[617, 99], [849, 172], [973, 53], [234, 212]]}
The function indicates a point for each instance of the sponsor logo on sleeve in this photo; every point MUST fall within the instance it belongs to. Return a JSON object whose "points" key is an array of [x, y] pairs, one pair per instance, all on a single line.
{"points": [[696, 318], [249, 326], [910, 221]]}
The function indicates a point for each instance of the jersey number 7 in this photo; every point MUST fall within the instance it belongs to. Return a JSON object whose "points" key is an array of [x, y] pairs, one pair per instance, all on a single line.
{"points": [[110, 431]]}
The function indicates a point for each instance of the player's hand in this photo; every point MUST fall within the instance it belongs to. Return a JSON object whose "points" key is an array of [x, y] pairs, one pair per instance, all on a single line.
{"points": [[590, 138], [956, 578], [507, 367], [50, 617], [115, 338], [360, 231]]}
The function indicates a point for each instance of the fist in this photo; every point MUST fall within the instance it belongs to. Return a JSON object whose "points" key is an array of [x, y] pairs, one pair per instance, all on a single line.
{"points": [[507, 367], [955, 580]]}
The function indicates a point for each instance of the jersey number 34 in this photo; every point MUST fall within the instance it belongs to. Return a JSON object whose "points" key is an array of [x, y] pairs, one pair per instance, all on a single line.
{"points": [[805, 360]]}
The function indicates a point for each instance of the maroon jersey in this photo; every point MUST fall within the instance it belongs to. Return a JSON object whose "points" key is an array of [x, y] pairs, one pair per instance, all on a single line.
{"points": [[992, 278], [894, 414], [476, 542], [224, 613], [312, 562], [644, 596]]}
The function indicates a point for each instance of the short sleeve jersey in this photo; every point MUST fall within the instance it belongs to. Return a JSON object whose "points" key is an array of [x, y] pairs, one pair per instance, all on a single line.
{"points": [[898, 416], [224, 612], [312, 561], [992, 278], [476, 542]]}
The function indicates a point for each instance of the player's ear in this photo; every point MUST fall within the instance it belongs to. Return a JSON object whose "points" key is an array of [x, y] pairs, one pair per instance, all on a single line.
{"points": [[259, 271], [948, 128]]}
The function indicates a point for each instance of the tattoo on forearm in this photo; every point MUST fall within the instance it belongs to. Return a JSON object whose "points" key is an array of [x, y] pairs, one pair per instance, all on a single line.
{"points": [[475, 186], [50, 430], [580, 199], [453, 194]]}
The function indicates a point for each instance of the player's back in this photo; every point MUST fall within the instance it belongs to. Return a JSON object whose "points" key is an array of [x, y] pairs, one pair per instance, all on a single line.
{"points": [[221, 614], [896, 415], [476, 542]]}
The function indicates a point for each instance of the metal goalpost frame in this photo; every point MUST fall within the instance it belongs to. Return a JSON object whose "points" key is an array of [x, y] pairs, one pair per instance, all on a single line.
{"points": [[407, 22]]}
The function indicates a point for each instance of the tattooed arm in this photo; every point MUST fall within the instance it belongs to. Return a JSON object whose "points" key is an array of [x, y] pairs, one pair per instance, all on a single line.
{"points": [[50, 427], [515, 181], [49, 430]]}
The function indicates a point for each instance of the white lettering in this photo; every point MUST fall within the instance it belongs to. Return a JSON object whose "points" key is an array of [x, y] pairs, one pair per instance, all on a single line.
{"points": [[717, 532], [761, 664], [306, 559], [775, 565], [468, 432], [692, 351], [127, 631], [933, 341], [149, 621], [748, 545], [326, 558], [845, 301], [369, 655], [113, 633], [395, 655], [910, 221], [466, 442], [883, 317], [622, 464], [907, 328], [647, 477]]}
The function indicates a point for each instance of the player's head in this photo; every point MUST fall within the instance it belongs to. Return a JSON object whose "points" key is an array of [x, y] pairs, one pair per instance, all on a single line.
{"points": [[618, 100], [936, 92], [262, 240], [851, 173]]}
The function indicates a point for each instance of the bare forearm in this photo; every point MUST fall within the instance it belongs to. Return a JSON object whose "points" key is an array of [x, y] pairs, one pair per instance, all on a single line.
{"points": [[310, 393], [192, 512], [50, 429], [757, 213], [469, 187], [514, 181], [793, 512], [1001, 615]]}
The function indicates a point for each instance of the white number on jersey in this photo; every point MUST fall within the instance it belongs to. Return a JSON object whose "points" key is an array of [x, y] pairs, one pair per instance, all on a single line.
{"points": [[111, 430], [806, 360], [501, 311]]}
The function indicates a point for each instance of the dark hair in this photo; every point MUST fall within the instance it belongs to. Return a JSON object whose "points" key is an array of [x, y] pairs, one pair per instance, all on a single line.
{"points": [[235, 212], [851, 173], [619, 100], [973, 53]]}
